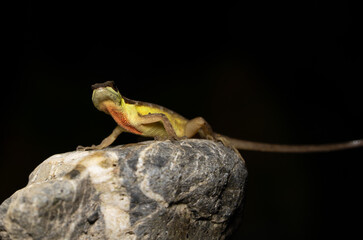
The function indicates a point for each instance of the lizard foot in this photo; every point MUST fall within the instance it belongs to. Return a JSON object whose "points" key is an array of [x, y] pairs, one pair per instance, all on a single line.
{"points": [[223, 140], [81, 148], [226, 143]]}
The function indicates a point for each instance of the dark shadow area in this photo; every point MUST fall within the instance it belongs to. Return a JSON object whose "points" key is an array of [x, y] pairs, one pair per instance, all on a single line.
{"points": [[280, 73]]}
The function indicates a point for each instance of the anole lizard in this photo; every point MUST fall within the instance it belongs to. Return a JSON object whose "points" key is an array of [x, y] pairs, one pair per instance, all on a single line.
{"points": [[155, 121]]}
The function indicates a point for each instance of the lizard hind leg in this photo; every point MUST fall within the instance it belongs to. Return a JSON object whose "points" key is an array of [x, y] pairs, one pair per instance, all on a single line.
{"points": [[201, 126]]}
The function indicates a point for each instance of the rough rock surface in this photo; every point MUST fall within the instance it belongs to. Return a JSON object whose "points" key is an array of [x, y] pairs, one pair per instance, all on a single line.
{"points": [[189, 189]]}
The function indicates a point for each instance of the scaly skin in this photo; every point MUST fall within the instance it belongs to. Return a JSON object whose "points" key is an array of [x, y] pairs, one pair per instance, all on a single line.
{"points": [[130, 115], [155, 121]]}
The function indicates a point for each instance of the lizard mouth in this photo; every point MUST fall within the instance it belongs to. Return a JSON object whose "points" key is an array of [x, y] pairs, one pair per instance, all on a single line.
{"points": [[105, 84]]}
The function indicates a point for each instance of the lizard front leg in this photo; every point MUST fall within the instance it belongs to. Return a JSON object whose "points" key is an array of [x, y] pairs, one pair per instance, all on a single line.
{"points": [[105, 142], [159, 117]]}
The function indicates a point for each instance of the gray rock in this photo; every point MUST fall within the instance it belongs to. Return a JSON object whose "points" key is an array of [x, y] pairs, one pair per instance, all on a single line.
{"points": [[189, 189]]}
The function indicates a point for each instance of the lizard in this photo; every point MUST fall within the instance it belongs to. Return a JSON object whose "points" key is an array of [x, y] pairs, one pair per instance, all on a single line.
{"points": [[151, 120]]}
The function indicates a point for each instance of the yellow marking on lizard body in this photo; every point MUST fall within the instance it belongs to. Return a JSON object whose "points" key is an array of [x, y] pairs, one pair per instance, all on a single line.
{"points": [[157, 129]]}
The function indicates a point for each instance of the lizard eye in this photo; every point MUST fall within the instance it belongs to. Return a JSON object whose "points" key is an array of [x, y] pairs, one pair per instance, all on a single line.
{"points": [[114, 87]]}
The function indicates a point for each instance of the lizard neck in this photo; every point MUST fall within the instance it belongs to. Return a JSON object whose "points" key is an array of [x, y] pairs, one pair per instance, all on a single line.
{"points": [[123, 117]]}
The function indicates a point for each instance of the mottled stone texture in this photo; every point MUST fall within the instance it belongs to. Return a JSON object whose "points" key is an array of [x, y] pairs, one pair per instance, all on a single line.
{"points": [[189, 189]]}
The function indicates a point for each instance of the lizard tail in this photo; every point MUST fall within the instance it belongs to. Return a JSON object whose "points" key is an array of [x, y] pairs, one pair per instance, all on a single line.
{"points": [[284, 148]]}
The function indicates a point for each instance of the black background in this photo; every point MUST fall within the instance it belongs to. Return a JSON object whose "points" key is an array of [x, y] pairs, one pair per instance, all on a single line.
{"points": [[281, 72]]}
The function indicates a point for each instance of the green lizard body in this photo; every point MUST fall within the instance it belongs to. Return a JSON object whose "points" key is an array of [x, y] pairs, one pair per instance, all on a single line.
{"points": [[155, 121]]}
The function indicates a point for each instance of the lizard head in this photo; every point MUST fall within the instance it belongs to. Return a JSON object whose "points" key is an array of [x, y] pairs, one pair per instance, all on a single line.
{"points": [[105, 92]]}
